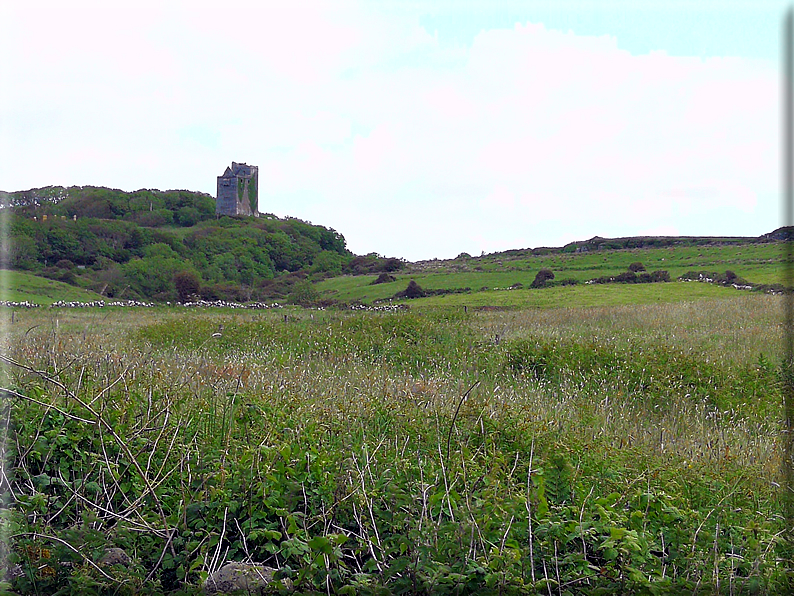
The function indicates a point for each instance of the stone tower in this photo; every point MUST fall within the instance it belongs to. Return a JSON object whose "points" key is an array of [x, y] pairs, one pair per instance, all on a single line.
{"points": [[238, 191]]}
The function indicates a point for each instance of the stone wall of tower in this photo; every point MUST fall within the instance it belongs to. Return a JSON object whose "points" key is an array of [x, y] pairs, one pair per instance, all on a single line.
{"points": [[226, 202], [238, 191]]}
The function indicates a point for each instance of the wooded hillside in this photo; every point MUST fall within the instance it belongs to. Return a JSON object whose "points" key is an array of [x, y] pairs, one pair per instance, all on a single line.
{"points": [[164, 245]]}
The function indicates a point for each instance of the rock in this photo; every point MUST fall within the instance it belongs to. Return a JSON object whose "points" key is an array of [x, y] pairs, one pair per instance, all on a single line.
{"points": [[245, 578], [115, 556]]}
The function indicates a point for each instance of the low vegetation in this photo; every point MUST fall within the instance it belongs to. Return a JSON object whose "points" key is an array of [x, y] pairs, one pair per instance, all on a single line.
{"points": [[631, 450]]}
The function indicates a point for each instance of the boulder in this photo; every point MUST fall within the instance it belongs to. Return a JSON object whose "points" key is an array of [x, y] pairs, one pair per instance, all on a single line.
{"points": [[244, 578], [115, 556]]}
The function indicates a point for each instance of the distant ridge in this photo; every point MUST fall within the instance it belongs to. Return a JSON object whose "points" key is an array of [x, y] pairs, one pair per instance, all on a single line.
{"points": [[628, 242]]}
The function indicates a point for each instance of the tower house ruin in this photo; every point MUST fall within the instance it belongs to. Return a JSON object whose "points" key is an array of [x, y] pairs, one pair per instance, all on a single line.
{"points": [[238, 190]]}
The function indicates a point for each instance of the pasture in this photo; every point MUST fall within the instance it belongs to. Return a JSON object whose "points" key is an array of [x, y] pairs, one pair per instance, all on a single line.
{"points": [[494, 274], [627, 445]]}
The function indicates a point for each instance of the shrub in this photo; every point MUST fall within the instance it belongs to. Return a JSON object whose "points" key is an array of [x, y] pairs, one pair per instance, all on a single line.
{"points": [[392, 264], [152, 219], [373, 263], [328, 262], [542, 277], [208, 293], [230, 292], [636, 267], [188, 216], [660, 276], [303, 292], [696, 275], [412, 291], [67, 277], [64, 264], [627, 277], [724, 279], [187, 284], [383, 278]]}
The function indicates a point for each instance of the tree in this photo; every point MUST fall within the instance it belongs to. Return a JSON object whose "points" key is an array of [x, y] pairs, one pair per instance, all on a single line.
{"points": [[188, 216], [303, 292], [187, 284], [23, 253]]}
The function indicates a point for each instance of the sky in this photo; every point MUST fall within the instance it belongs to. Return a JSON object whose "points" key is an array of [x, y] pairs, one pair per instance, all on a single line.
{"points": [[417, 129]]}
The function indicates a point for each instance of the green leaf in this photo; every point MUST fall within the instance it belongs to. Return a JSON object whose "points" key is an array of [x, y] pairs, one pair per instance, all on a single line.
{"points": [[41, 481], [93, 487], [322, 544]]}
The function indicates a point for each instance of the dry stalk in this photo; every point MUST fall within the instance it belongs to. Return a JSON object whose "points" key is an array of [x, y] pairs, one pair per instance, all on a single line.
{"points": [[70, 547], [100, 421]]}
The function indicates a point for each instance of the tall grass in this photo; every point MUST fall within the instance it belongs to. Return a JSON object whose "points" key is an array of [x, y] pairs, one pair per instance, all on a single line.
{"points": [[632, 450]]}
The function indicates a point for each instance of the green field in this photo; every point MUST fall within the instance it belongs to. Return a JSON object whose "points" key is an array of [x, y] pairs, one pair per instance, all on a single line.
{"points": [[18, 286], [757, 263], [586, 440]]}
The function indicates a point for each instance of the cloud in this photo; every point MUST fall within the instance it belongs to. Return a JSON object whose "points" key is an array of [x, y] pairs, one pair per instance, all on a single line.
{"points": [[361, 119]]}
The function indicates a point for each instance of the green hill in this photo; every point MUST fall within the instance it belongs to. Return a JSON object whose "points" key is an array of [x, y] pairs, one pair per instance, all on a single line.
{"points": [[20, 286], [163, 245]]}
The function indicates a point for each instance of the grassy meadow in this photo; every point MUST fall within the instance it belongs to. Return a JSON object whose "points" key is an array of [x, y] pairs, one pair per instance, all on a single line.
{"points": [[19, 286], [585, 440], [494, 274]]}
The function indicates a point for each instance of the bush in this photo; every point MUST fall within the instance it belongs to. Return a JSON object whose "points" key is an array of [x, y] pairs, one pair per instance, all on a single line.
{"points": [[229, 292], [64, 264], [412, 291], [67, 277], [208, 293], [627, 277], [660, 276], [187, 284], [188, 216], [636, 267], [383, 278], [303, 293], [373, 263], [392, 264], [542, 277], [152, 219], [328, 262]]}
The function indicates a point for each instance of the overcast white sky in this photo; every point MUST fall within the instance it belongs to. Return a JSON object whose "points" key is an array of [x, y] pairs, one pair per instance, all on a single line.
{"points": [[417, 129]]}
